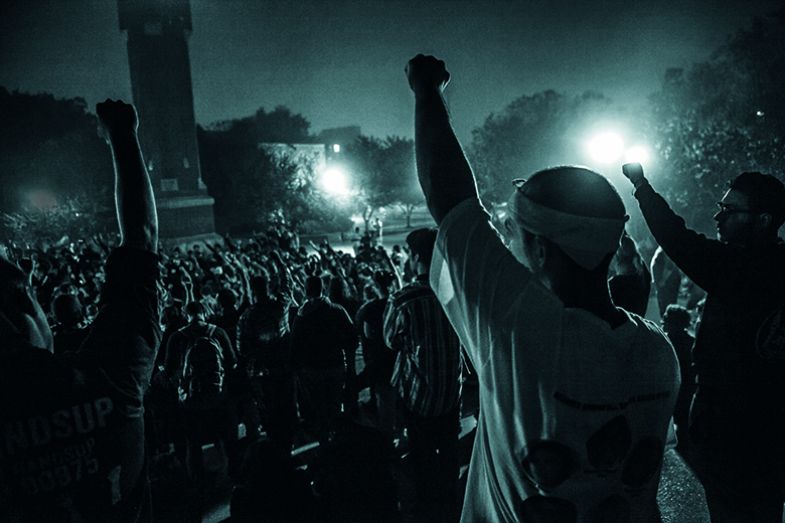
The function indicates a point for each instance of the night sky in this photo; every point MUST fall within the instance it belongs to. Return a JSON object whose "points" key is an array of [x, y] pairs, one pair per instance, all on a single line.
{"points": [[341, 62]]}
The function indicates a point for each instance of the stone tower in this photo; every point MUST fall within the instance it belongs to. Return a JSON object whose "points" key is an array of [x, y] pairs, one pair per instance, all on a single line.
{"points": [[160, 68]]}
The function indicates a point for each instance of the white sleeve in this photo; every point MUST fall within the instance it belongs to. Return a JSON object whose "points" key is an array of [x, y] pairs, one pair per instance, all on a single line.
{"points": [[476, 278]]}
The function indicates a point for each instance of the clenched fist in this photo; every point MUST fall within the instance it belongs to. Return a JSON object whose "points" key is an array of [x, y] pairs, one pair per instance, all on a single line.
{"points": [[426, 73], [634, 173], [115, 116]]}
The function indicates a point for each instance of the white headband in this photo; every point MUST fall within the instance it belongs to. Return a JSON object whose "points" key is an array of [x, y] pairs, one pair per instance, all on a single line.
{"points": [[585, 239]]}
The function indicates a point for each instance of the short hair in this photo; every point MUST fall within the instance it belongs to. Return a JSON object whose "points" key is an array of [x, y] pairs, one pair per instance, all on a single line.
{"points": [[421, 242], [676, 317], [67, 309], [260, 285], [227, 298], [195, 308], [764, 192], [313, 286], [575, 190]]}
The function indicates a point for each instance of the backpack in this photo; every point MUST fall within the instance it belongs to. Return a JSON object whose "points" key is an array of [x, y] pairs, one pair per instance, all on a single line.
{"points": [[203, 373]]}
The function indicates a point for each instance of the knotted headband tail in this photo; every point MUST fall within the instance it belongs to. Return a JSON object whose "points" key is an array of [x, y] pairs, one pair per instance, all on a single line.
{"points": [[585, 239]]}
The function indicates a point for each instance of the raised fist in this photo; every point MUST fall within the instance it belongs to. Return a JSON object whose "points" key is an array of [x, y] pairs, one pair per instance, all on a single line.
{"points": [[426, 73], [115, 116], [633, 172]]}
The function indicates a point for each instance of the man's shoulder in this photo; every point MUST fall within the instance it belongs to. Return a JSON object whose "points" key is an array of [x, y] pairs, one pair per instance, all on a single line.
{"points": [[650, 335], [413, 291]]}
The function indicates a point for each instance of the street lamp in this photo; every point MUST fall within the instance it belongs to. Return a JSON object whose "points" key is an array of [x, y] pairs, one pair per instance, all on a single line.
{"points": [[606, 147], [334, 181], [637, 154]]}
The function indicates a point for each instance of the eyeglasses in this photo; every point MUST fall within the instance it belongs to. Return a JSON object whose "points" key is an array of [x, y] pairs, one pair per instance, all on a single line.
{"points": [[724, 208]]}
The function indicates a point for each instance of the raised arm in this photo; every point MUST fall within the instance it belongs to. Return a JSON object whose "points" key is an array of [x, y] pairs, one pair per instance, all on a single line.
{"points": [[134, 200], [126, 333], [444, 173], [700, 258]]}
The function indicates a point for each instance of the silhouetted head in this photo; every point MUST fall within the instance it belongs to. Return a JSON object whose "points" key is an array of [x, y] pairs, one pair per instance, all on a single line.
{"points": [[227, 299], [676, 318], [751, 210], [22, 320], [67, 309], [313, 287], [260, 287], [565, 222], [421, 243], [337, 289], [195, 311]]}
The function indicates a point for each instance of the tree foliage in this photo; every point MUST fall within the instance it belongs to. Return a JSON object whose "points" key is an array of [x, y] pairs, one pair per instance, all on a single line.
{"points": [[249, 183], [384, 173], [722, 117], [50, 145], [531, 133]]}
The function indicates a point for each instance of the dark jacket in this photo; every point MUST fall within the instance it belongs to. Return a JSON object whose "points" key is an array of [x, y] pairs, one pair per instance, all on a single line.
{"points": [[74, 425], [323, 336], [744, 286]]}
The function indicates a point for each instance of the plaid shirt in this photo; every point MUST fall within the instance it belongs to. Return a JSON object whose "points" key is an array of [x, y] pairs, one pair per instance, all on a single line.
{"points": [[427, 372]]}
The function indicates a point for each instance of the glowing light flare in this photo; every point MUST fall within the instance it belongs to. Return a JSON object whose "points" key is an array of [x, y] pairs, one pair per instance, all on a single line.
{"points": [[638, 154], [41, 199], [606, 147], [334, 181]]}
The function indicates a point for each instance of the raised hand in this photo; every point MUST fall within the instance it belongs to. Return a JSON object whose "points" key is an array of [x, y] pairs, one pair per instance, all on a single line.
{"points": [[115, 117], [134, 200], [426, 74], [634, 173]]}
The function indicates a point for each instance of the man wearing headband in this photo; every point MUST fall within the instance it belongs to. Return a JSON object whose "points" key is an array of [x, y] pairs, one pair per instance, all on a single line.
{"points": [[575, 393]]}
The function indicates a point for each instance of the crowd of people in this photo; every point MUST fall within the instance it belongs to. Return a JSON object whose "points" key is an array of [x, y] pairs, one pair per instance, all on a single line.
{"points": [[264, 349]]}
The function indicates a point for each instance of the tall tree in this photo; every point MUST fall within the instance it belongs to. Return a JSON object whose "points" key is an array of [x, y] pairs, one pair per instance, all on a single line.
{"points": [[248, 182], [721, 117], [368, 165], [50, 145]]}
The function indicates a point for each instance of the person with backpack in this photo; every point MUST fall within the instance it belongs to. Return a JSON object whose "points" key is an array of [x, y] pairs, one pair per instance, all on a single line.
{"points": [[737, 418], [198, 357], [427, 377], [195, 328]]}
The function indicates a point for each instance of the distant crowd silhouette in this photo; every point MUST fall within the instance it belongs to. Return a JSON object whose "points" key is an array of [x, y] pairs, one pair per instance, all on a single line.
{"points": [[302, 383]]}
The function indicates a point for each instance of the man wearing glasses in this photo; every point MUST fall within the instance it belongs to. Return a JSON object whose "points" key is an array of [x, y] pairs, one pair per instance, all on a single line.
{"points": [[737, 419], [575, 393]]}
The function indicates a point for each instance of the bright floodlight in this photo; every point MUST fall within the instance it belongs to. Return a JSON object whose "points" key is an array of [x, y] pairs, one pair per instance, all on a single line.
{"points": [[606, 147], [637, 154], [336, 147], [334, 181]]}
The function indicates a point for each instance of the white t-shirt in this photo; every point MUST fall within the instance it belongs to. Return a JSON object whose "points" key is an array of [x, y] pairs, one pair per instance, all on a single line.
{"points": [[573, 414]]}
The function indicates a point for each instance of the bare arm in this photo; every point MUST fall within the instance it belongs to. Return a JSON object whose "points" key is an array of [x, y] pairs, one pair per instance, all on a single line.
{"points": [[444, 173], [134, 200]]}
